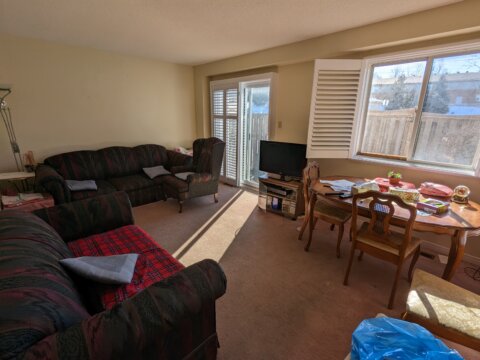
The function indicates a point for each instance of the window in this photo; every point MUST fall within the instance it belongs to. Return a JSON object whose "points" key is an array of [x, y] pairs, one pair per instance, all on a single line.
{"points": [[420, 108], [425, 111]]}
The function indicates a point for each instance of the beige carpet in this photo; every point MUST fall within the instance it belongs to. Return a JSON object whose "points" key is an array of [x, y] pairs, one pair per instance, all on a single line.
{"points": [[281, 302]]}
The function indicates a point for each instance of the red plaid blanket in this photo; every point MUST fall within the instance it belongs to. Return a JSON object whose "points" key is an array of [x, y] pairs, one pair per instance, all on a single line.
{"points": [[153, 264]]}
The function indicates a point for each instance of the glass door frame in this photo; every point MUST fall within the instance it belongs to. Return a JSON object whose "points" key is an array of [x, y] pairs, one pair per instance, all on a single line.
{"points": [[257, 83], [269, 76]]}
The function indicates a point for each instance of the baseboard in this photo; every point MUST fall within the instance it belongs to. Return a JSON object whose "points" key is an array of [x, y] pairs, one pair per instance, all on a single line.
{"points": [[443, 250]]}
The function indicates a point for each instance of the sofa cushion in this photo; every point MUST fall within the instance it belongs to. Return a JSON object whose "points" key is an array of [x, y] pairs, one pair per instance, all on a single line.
{"points": [[440, 303], [153, 264], [118, 161], [150, 155], [37, 297], [175, 183], [131, 182], [103, 187], [77, 165]]}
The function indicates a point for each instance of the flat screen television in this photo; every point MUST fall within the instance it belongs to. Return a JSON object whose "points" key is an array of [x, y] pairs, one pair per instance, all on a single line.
{"points": [[281, 158]]}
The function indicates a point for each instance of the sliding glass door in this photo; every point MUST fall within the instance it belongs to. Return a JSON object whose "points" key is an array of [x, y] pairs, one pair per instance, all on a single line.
{"points": [[255, 126], [241, 116]]}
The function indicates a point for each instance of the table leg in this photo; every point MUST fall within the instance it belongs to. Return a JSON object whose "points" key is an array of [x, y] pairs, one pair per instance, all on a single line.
{"points": [[455, 256], [311, 223]]}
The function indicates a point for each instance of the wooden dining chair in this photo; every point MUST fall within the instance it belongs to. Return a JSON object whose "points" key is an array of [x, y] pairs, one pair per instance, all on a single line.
{"points": [[377, 239], [323, 210]]}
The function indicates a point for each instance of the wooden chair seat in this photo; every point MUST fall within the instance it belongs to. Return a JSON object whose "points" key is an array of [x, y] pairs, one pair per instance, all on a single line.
{"points": [[393, 237], [445, 309], [326, 211]]}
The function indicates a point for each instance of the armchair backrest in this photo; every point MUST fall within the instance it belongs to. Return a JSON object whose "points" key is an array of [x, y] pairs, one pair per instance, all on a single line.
{"points": [[208, 155]]}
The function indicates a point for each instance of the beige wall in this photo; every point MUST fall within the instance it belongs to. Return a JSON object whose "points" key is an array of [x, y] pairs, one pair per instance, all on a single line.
{"points": [[67, 98], [457, 22]]}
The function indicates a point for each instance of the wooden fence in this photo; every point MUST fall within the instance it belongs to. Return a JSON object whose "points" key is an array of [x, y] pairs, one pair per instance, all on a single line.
{"points": [[442, 138], [258, 131]]}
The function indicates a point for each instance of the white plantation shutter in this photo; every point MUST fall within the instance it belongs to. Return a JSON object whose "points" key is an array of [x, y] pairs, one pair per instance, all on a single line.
{"points": [[224, 105], [333, 109], [231, 149]]}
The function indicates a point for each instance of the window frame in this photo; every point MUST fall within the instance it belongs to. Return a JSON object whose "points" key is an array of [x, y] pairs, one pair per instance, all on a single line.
{"points": [[428, 55]]}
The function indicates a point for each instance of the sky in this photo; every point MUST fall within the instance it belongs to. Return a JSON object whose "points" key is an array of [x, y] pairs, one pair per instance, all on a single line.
{"points": [[448, 65]]}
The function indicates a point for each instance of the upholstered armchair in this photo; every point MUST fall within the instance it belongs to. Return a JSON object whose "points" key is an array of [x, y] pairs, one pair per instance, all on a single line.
{"points": [[200, 178]]}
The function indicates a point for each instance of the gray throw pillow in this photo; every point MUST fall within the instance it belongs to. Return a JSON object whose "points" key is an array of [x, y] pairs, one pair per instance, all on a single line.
{"points": [[153, 172], [115, 269], [184, 175], [81, 185]]}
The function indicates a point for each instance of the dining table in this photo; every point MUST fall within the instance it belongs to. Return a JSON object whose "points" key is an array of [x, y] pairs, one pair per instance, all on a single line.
{"points": [[458, 223]]}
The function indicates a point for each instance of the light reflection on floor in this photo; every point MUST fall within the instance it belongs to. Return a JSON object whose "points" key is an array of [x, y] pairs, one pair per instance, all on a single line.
{"points": [[218, 236]]}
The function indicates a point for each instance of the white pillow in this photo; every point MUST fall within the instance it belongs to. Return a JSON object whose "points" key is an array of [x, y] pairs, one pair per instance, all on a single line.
{"points": [[184, 175], [115, 269], [153, 172]]}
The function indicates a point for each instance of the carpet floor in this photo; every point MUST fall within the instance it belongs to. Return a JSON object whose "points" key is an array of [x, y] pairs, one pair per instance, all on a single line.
{"points": [[281, 302]]}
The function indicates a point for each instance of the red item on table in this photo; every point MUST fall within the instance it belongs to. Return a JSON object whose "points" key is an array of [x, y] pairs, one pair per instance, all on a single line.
{"points": [[432, 189], [385, 185]]}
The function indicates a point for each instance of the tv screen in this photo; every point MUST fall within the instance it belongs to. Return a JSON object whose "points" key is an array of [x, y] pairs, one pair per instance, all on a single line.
{"points": [[282, 158]]}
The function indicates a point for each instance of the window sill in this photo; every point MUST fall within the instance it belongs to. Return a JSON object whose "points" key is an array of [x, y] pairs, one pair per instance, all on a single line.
{"points": [[412, 165]]}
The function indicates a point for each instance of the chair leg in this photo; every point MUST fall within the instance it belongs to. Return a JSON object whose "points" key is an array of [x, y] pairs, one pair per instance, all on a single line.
{"points": [[394, 287], [310, 239], [332, 227], [180, 206], [340, 236], [215, 197], [350, 261], [412, 264], [360, 256], [304, 226]]}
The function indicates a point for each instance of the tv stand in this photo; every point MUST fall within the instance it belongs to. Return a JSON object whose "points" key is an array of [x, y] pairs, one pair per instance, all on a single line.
{"points": [[281, 197]]}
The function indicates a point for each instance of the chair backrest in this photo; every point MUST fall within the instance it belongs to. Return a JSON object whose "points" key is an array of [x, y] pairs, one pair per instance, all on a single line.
{"points": [[382, 208], [208, 155], [311, 174]]}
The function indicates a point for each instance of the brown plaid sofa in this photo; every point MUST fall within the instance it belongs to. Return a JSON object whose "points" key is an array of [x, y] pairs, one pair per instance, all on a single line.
{"points": [[49, 313], [116, 168], [119, 168]]}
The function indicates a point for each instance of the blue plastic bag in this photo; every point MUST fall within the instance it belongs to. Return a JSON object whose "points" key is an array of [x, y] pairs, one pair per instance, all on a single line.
{"points": [[386, 338]]}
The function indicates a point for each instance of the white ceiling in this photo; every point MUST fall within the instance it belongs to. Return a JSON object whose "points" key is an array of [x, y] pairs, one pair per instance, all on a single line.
{"points": [[194, 31]]}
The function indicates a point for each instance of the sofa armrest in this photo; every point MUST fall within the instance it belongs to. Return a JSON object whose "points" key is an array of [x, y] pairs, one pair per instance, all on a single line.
{"points": [[179, 169], [83, 218], [178, 159], [199, 178], [47, 179], [171, 319]]}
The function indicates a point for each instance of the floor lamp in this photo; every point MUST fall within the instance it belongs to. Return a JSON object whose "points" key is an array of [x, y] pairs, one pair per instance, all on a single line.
{"points": [[7, 120]]}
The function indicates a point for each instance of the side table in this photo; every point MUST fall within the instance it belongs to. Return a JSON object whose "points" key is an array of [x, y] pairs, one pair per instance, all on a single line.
{"points": [[31, 205], [21, 176]]}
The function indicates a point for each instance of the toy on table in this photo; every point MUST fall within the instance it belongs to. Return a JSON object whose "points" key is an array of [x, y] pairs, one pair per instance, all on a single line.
{"points": [[407, 195], [460, 194], [433, 206]]}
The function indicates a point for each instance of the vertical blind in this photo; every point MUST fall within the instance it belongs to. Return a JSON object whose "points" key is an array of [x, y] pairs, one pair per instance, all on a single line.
{"points": [[224, 105]]}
